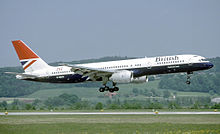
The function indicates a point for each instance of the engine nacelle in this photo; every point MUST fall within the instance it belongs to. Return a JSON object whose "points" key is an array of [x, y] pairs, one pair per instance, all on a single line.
{"points": [[121, 77], [127, 77], [141, 79]]}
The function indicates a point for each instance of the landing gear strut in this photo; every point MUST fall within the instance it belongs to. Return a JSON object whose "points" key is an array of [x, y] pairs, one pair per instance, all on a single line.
{"points": [[106, 88], [114, 88], [188, 77]]}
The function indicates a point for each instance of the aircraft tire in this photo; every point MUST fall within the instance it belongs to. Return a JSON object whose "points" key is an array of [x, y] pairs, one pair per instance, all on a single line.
{"points": [[188, 82], [101, 89], [111, 90], [116, 89]]}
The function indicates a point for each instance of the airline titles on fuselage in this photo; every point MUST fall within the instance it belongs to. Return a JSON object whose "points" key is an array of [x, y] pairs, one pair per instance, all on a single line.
{"points": [[167, 58]]}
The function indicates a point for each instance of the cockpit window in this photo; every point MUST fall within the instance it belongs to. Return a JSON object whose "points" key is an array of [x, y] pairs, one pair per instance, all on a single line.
{"points": [[203, 59]]}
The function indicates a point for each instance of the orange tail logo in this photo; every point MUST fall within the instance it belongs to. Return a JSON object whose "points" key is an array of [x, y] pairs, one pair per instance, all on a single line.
{"points": [[23, 51]]}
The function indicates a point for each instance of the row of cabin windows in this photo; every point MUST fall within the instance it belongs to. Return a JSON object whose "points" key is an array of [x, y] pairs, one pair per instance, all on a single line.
{"points": [[167, 62], [113, 67], [61, 72], [123, 66], [137, 64]]}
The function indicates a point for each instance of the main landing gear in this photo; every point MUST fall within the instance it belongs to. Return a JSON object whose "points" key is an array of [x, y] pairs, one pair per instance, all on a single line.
{"points": [[106, 88], [188, 77]]}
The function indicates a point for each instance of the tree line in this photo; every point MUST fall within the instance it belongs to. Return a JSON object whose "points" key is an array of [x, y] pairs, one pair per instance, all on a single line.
{"points": [[73, 102]]}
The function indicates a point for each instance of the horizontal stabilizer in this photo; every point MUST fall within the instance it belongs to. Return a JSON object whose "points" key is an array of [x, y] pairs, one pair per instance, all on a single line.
{"points": [[22, 75]]}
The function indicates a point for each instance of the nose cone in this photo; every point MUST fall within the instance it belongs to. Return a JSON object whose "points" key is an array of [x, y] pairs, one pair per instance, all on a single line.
{"points": [[210, 65], [207, 65]]}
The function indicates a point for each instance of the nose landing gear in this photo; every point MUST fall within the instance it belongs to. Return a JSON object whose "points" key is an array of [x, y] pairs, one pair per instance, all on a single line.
{"points": [[188, 78]]}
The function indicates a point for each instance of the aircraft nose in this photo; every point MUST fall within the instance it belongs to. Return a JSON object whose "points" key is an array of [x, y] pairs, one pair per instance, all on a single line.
{"points": [[210, 65]]}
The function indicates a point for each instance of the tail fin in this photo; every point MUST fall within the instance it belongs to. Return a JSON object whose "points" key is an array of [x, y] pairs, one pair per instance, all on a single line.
{"points": [[29, 60]]}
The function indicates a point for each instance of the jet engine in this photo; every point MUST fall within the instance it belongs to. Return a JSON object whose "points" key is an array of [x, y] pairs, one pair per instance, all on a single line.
{"points": [[127, 77], [141, 79], [121, 77]]}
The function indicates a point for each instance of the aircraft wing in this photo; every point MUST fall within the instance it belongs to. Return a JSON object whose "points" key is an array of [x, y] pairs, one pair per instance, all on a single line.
{"points": [[92, 73]]}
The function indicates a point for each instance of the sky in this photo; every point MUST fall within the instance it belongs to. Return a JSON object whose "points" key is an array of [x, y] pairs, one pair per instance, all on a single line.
{"points": [[69, 30]]}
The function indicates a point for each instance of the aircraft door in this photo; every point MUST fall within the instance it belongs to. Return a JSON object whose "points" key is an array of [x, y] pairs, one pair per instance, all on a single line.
{"points": [[149, 65], [190, 61]]}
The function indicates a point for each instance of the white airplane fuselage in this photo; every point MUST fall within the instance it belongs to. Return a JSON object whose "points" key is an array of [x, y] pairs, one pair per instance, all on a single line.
{"points": [[139, 67]]}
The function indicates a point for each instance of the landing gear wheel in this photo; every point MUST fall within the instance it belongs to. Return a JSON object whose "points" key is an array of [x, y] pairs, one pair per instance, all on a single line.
{"points": [[106, 88], [188, 78], [116, 88], [188, 82], [101, 89], [111, 90]]}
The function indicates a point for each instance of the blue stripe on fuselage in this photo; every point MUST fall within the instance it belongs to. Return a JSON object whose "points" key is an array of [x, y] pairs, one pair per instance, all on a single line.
{"points": [[154, 70], [68, 78]]}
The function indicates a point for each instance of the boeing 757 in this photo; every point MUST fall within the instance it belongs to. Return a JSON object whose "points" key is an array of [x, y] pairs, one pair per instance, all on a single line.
{"points": [[122, 71]]}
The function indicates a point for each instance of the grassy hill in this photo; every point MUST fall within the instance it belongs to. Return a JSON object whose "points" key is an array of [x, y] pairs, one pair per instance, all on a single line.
{"points": [[126, 93], [87, 92]]}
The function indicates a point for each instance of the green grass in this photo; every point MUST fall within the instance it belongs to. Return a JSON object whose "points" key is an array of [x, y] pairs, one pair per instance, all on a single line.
{"points": [[98, 128], [89, 93], [192, 94], [119, 110], [79, 91], [110, 124], [93, 93]]}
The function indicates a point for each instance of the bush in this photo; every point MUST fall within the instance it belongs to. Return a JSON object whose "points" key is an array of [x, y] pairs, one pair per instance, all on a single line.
{"points": [[99, 106], [28, 107], [132, 106], [114, 106], [173, 105], [155, 106], [216, 106]]}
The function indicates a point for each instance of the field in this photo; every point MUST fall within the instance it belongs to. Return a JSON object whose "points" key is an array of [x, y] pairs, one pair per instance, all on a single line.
{"points": [[92, 92], [110, 124]]}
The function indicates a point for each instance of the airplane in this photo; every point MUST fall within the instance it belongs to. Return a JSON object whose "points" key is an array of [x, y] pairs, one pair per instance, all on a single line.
{"points": [[121, 71]]}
